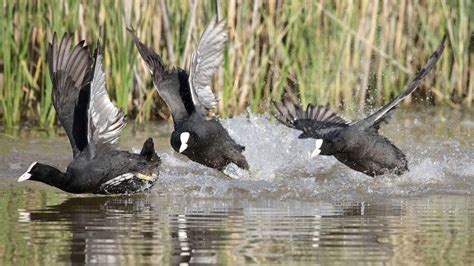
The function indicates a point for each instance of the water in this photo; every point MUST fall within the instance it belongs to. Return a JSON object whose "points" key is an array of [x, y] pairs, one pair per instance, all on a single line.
{"points": [[289, 209]]}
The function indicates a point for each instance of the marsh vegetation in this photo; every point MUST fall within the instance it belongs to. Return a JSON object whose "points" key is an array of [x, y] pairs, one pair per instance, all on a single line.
{"points": [[347, 54]]}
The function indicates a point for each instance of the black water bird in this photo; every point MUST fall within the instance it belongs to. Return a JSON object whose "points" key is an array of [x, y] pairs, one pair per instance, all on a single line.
{"points": [[93, 125], [355, 144], [201, 138]]}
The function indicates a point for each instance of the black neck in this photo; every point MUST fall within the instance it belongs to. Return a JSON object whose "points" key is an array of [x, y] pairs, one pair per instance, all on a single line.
{"points": [[51, 176]]}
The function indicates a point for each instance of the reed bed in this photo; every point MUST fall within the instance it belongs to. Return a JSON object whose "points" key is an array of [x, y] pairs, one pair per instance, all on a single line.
{"points": [[347, 54]]}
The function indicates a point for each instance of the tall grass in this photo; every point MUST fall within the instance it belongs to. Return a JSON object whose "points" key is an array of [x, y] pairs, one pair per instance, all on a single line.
{"points": [[348, 54]]}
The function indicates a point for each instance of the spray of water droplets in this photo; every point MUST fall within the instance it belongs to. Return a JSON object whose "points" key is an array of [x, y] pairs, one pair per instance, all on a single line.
{"points": [[281, 167]]}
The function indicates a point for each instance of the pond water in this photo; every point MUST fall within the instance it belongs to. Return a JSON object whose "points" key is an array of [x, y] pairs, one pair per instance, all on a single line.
{"points": [[289, 209]]}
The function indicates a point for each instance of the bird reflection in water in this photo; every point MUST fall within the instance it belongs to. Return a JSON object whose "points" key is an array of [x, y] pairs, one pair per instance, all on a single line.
{"points": [[151, 229]]}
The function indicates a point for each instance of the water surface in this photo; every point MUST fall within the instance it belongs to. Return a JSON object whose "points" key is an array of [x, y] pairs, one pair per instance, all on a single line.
{"points": [[288, 209]]}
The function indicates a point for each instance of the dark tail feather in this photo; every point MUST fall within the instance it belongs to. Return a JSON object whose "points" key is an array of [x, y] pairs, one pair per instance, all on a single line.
{"points": [[240, 161], [152, 59], [234, 154], [148, 150]]}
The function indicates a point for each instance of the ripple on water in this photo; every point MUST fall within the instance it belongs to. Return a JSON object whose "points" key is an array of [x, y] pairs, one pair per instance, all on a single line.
{"points": [[288, 210], [187, 229]]}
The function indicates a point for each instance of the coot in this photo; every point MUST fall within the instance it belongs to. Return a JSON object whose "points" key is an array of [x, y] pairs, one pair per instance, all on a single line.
{"points": [[355, 144], [201, 138], [93, 125]]}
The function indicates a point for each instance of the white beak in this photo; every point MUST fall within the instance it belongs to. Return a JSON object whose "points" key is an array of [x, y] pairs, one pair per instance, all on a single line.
{"points": [[317, 148], [184, 137], [24, 177], [27, 174]]}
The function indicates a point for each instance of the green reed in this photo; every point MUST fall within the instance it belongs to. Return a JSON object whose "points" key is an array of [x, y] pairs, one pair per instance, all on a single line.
{"points": [[347, 54]]}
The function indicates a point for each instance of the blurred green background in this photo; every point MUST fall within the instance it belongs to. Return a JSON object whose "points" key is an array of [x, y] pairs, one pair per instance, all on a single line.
{"points": [[347, 54]]}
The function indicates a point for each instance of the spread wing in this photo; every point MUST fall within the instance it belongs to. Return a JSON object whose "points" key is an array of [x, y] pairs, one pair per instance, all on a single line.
{"points": [[374, 120], [68, 67], [105, 120], [207, 58], [172, 85], [315, 121]]}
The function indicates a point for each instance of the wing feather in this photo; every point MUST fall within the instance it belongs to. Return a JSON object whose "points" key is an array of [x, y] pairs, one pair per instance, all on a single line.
{"points": [[171, 84], [384, 113], [106, 121], [207, 58], [68, 67], [315, 121]]}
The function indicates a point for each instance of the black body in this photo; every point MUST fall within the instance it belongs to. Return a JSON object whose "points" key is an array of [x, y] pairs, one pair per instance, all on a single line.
{"points": [[365, 151], [209, 142], [357, 145], [92, 124], [107, 173]]}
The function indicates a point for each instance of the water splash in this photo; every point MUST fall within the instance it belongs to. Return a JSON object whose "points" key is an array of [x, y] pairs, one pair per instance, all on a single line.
{"points": [[281, 167], [438, 146]]}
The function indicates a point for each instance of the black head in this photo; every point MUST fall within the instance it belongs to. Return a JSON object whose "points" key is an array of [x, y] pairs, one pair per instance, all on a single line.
{"points": [[45, 174], [185, 141], [323, 147]]}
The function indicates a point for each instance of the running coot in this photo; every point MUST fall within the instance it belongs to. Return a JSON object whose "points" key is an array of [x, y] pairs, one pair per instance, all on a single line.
{"points": [[356, 144], [201, 138], [93, 125]]}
